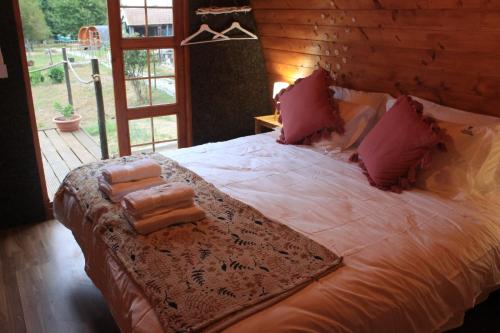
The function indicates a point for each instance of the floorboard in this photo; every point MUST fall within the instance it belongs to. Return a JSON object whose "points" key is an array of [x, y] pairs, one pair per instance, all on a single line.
{"points": [[43, 285], [55, 160], [76, 146], [62, 152], [51, 180], [63, 149], [89, 143]]}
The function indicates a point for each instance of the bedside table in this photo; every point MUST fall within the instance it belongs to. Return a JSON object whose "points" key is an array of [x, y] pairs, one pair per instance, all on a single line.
{"points": [[270, 122]]}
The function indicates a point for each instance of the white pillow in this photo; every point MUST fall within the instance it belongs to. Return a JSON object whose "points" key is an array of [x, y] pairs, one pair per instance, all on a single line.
{"points": [[359, 119], [376, 100], [471, 163], [444, 113]]}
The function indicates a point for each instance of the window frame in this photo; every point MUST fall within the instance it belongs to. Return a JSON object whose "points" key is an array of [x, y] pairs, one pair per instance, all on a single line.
{"points": [[119, 44]]}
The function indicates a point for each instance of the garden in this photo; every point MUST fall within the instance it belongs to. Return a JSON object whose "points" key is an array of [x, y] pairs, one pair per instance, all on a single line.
{"points": [[49, 88], [44, 34]]}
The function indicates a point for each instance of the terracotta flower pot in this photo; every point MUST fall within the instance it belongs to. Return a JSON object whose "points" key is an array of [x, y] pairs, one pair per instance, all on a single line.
{"points": [[68, 125]]}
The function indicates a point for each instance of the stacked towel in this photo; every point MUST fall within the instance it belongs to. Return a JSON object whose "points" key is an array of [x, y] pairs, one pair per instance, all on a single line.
{"points": [[158, 207], [138, 170], [164, 197], [119, 180], [116, 192]]}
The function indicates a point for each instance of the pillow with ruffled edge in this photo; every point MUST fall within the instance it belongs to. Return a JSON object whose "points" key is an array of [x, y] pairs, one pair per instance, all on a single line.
{"points": [[399, 146], [307, 110]]}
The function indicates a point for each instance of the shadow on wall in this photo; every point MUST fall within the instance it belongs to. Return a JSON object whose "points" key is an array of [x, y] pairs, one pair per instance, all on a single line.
{"points": [[228, 79]]}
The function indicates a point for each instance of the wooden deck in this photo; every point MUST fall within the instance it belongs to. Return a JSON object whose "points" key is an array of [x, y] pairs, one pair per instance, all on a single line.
{"points": [[62, 152]]}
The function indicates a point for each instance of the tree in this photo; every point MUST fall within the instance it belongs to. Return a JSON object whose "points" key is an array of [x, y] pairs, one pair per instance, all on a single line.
{"points": [[66, 17], [135, 65], [34, 25]]}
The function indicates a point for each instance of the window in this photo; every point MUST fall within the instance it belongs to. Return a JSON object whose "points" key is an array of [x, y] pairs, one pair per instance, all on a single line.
{"points": [[150, 72], [153, 134], [147, 18], [149, 77]]}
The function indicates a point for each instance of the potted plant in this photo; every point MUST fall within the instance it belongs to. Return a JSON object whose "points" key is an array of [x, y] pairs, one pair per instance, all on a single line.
{"points": [[69, 121]]}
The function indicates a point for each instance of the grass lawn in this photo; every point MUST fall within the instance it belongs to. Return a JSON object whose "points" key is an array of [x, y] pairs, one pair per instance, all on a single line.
{"points": [[47, 93]]}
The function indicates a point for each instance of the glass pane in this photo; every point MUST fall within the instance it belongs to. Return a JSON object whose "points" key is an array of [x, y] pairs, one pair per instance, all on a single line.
{"points": [[133, 22], [140, 131], [136, 64], [135, 3], [163, 91], [142, 149], [160, 22], [159, 3], [162, 62], [166, 146], [137, 93], [165, 128]]}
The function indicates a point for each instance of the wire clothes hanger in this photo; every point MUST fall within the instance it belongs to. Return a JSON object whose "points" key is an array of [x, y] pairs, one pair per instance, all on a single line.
{"points": [[221, 36], [218, 37], [237, 26]]}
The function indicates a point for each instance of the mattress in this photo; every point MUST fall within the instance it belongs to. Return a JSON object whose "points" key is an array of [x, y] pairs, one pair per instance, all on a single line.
{"points": [[413, 262]]}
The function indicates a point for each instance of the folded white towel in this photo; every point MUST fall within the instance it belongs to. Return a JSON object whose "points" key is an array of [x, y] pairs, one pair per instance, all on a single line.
{"points": [[158, 211], [158, 222], [117, 191], [133, 171], [163, 196]]}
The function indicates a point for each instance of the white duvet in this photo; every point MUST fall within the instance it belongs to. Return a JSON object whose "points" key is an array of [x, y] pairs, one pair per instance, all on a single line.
{"points": [[414, 262]]}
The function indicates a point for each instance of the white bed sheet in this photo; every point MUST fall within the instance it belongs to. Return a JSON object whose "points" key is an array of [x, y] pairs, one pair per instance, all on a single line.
{"points": [[414, 262]]}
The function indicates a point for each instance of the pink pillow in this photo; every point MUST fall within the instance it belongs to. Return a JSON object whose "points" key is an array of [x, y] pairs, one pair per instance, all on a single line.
{"points": [[398, 146], [307, 110]]}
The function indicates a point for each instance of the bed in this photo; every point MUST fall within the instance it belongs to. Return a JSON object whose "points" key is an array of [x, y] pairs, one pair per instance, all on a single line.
{"points": [[413, 262]]}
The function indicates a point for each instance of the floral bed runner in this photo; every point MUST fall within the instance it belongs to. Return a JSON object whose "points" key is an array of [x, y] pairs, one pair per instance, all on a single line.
{"points": [[210, 274]]}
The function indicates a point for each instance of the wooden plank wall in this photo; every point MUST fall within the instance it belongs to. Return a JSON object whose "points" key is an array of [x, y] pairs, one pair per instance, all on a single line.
{"points": [[447, 51]]}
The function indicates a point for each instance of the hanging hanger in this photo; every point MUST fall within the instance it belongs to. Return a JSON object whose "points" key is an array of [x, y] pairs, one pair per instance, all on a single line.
{"points": [[204, 28], [220, 36], [236, 25]]}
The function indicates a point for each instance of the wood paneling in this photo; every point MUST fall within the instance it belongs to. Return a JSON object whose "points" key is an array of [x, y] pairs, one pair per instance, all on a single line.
{"points": [[446, 51]]}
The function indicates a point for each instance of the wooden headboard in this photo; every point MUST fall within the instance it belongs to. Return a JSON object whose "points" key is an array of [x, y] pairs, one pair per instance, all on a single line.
{"points": [[447, 51]]}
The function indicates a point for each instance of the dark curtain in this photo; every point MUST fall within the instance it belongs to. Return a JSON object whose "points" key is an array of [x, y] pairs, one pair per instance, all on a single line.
{"points": [[228, 79]]}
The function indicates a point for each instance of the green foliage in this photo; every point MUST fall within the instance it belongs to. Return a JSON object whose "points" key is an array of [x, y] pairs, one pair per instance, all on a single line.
{"points": [[135, 65], [66, 111], [56, 74], [66, 17], [36, 78], [35, 27], [40, 124], [93, 129]]}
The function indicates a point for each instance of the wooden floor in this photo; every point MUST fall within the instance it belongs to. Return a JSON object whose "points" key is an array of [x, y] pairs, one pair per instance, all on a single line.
{"points": [[43, 285], [62, 152], [44, 288]]}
